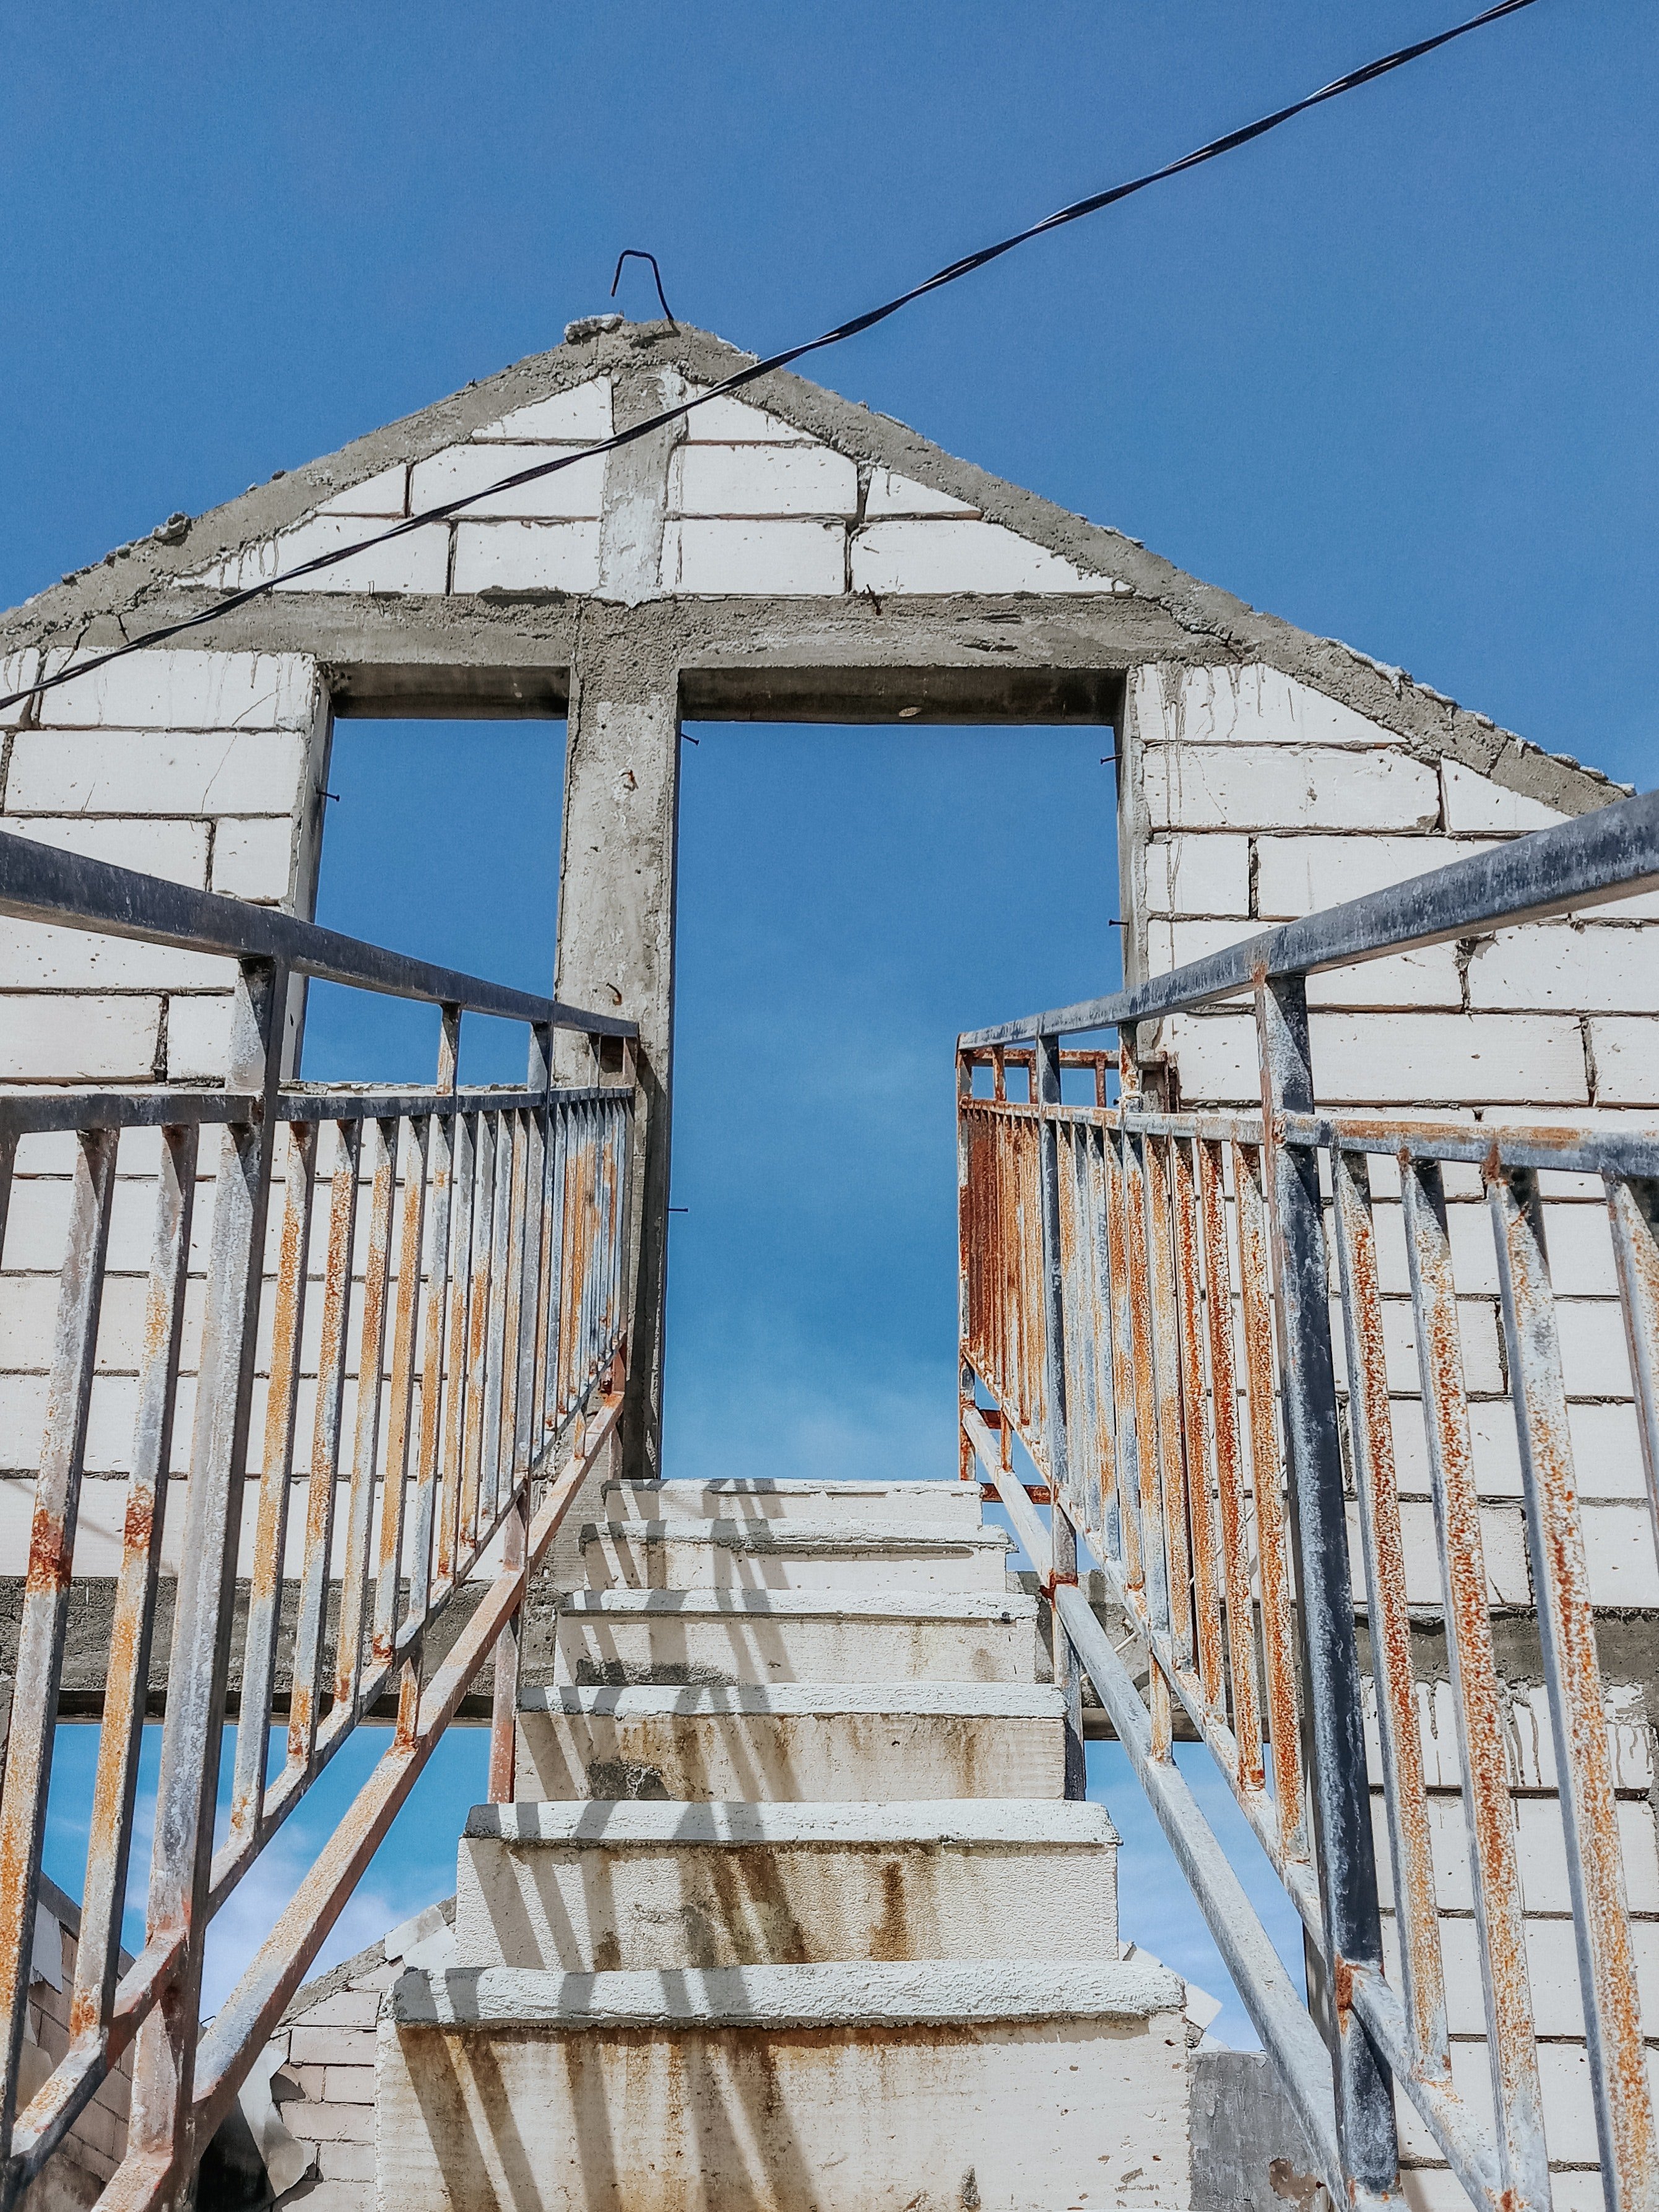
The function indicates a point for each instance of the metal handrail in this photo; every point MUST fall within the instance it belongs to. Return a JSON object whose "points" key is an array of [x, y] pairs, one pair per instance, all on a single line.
{"points": [[38, 882], [1144, 1301], [1612, 853], [472, 1248]]}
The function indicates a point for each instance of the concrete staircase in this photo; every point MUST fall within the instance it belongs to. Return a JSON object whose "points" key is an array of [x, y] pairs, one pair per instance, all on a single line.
{"points": [[794, 1915]]}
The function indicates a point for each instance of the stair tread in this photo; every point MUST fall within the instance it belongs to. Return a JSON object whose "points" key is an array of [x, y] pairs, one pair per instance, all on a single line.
{"points": [[1006, 1700], [826, 1604], [853, 1993], [655, 1822], [819, 1537]]}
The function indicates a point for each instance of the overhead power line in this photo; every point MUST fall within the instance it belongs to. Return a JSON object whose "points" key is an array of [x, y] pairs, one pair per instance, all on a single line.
{"points": [[953, 271]]}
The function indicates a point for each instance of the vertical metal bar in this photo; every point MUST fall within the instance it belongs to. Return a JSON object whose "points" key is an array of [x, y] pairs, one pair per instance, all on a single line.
{"points": [[1330, 1657], [400, 1408], [967, 1261], [1196, 1427], [46, 1589], [1166, 1365], [109, 1841], [477, 1347], [1149, 1509], [1370, 1430], [1126, 1382], [186, 1790], [1224, 1399], [1062, 1561], [1494, 1849], [463, 1180], [504, 1706], [1633, 1210], [276, 1468], [495, 1416], [553, 1356], [312, 1624], [1566, 1627], [382, 1163], [1260, 1406]]}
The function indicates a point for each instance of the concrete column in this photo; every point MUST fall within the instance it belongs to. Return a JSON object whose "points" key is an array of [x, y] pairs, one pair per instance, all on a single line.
{"points": [[617, 877]]}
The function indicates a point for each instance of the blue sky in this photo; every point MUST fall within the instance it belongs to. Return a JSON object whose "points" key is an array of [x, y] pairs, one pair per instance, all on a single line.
{"points": [[1389, 374]]}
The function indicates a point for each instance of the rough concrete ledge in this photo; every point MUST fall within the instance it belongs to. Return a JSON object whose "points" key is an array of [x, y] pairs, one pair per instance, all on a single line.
{"points": [[767, 1486], [862, 1994], [1014, 1701], [646, 1823], [807, 1605], [849, 1537]]}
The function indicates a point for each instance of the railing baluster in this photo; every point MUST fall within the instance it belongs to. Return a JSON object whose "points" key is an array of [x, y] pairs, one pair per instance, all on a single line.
{"points": [[1633, 1210], [1370, 1430], [473, 1502], [1060, 1567], [311, 1625], [46, 1587], [400, 1405], [382, 1165], [1566, 1628], [442, 1144], [464, 1193], [1166, 1364], [1330, 1659], [126, 1695], [276, 1469], [1195, 1426], [1224, 1399], [159, 2129]]}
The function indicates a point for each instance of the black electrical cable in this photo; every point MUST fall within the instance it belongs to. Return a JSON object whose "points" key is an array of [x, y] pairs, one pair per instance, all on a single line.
{"points": [[1366, 75]]}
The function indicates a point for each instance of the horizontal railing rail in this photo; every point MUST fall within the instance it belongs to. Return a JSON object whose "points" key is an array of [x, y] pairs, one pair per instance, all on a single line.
{"points": [[1611, 855], [38, 882], [392, 1320], [1146, 1301]]}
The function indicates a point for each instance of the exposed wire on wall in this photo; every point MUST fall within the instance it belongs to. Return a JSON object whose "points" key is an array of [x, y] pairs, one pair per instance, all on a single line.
{"points": [[951, 274]]}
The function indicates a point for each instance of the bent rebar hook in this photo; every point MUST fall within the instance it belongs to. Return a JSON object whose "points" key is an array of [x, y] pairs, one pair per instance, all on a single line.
{"points": [[638, 253]]}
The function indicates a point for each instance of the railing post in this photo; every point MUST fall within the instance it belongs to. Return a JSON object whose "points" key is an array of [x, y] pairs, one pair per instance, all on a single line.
{"points": [[186, 1789], [966, 1469], [1329, 1656], [1062, 1537]]}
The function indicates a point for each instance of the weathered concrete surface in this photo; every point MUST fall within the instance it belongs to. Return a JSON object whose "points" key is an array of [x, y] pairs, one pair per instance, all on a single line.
{"points": [[619, 1636], [852, 2089], [1250, 2153], [583, 1889], [772, 1554], [839, 1741]]}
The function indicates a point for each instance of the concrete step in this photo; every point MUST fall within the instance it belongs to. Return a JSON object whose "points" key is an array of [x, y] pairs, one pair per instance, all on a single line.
{"points": [[742, 1498], [582, 1887], [865, 2088], [763, 1554], [726, 1636], [841, 1740]]}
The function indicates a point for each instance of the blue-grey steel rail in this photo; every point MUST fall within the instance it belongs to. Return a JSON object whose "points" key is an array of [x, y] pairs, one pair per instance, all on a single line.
{"points": [[484, 1320], [1145, 1300]]}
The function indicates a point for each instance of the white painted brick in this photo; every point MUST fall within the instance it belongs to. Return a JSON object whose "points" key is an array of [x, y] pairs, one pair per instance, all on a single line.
{"points": [[382, 495], [726, 422], [1429, 978], [526, 556], [328, 2123], [354, 2196], [131, 772], [180, 691], [1626, 1061], [175, 850], [1478, 1332], [253, 859], [198, 1038], [1256, 705], [1594, 1362], [349, 2008], [35, 956], [1198, 876], [891, 494], [94, 1040], [581, 416], [1400, 1059], [1474, 802], [348, 2161], [572, 493], [784, 559], [316, 2044], [1544, 1885], [950, 556], [1504, 1548], [761, 480], [1618, 1546], [1266, 787], [1298, 875], [1582, 970], [417, 562]]}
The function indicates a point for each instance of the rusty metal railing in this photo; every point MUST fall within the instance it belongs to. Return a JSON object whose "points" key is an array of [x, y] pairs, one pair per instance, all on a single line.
{"points": [[1145, 1299], [464, 1253]]}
